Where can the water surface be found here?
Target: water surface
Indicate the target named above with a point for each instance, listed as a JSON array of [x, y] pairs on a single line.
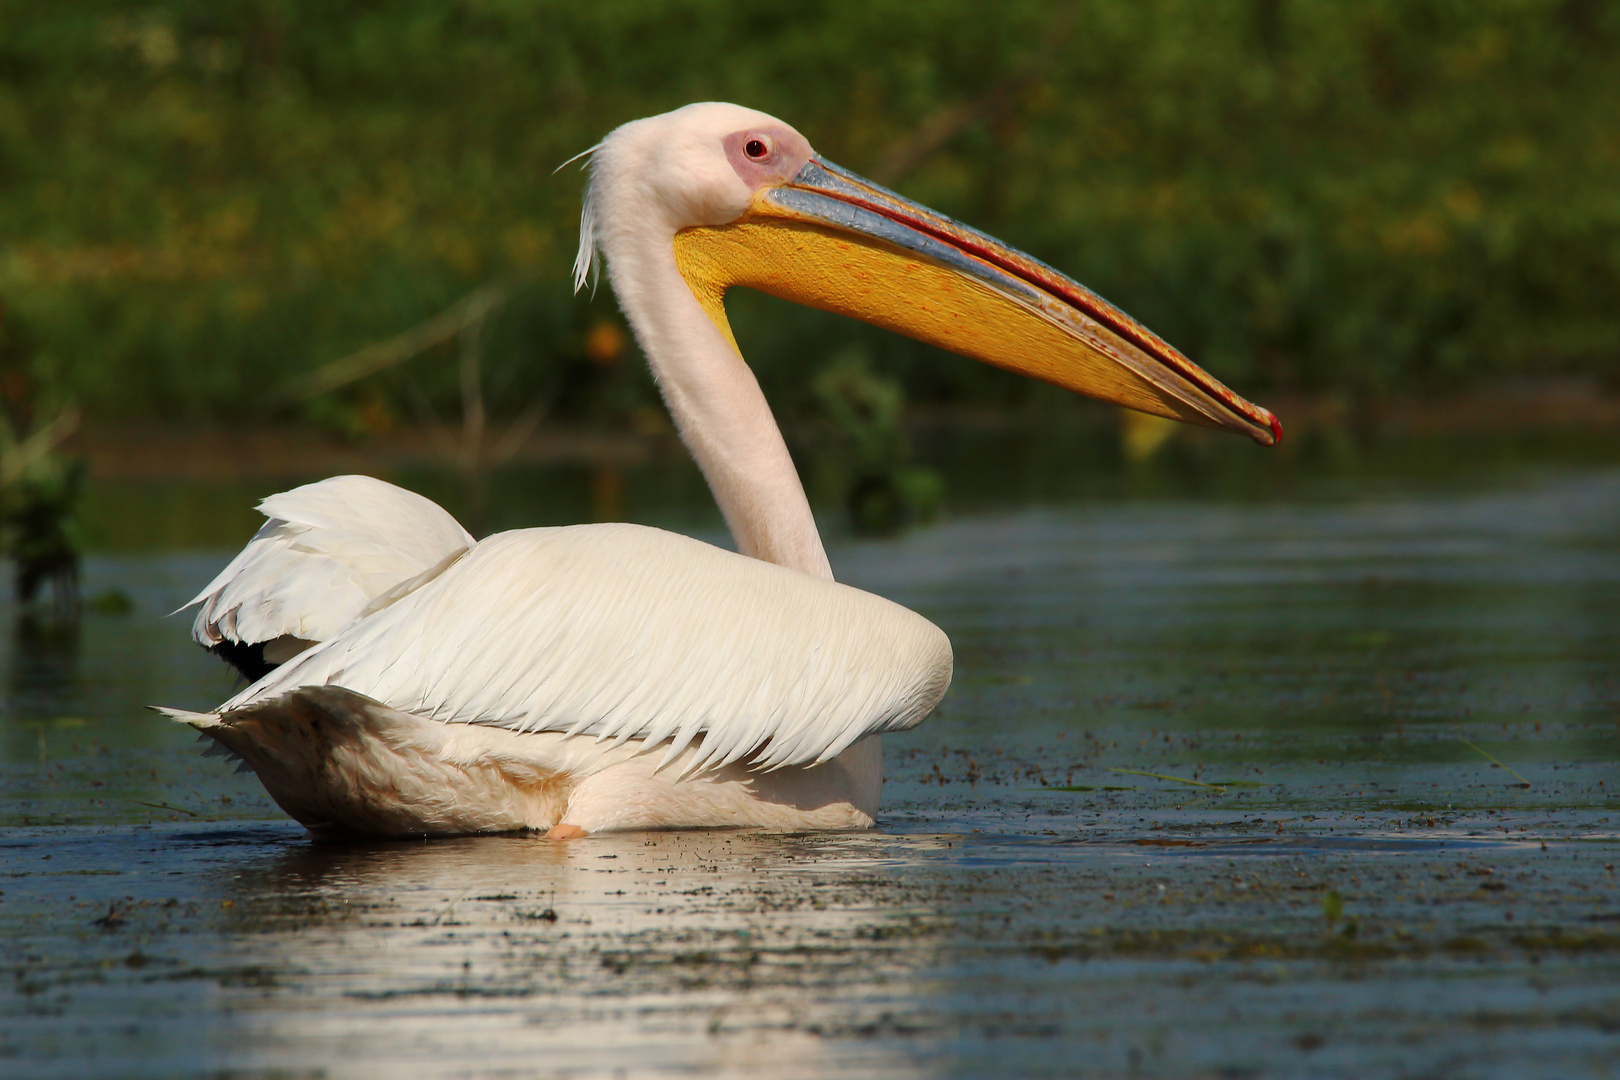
[[1304, 777]]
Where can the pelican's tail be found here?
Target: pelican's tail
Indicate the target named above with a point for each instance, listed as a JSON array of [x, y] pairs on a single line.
[[205, 723], [341, 763], [202, 721]]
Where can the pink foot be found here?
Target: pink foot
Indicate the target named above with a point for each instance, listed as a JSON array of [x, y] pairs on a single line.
[[564, 831]]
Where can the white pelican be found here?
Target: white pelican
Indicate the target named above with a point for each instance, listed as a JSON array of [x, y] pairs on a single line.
[[411, 680]]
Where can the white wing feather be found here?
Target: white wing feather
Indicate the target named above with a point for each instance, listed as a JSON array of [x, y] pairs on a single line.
[[329, 551], [622, 631]]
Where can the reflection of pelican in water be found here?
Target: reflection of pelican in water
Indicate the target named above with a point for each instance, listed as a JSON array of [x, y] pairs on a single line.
[[613, 676], [711, 953]]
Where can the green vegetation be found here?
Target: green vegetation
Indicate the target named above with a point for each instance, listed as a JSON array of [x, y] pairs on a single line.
[[863, 446], [39, 490], [200, 200]]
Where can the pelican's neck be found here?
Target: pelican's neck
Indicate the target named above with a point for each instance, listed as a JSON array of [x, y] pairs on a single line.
[[718, 408]]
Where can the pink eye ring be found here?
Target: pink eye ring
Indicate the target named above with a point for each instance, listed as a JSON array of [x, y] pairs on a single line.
[[757, 149]]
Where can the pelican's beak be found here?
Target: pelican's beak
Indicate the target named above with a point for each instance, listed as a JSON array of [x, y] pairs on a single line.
[[829, 239]]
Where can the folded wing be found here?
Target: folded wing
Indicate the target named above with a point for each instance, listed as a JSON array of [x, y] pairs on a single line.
[[626, 632], [330, 551]]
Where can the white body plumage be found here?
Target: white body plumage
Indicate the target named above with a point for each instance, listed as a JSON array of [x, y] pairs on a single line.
[[520, 682]]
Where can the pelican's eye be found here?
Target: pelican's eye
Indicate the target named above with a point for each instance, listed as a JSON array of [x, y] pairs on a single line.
[[757, 149]]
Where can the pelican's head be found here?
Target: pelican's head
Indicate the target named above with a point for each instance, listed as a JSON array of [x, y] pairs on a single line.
[[744, 200]]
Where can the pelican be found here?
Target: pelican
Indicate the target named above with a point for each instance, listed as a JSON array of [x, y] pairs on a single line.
[[410, 680]]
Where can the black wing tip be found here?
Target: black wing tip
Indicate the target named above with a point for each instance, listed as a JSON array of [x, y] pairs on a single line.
[[246, 657]]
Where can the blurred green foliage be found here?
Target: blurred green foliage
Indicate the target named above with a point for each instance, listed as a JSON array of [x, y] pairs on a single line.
[[863, 450], [39, 495], [200, 199]]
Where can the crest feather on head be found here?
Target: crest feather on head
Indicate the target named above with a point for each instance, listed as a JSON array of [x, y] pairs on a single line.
[[586, 267]]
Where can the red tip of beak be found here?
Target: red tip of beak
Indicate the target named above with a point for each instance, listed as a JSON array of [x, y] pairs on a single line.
[[1276, 430]]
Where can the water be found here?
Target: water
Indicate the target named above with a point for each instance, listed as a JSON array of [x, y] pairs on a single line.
[[1395, 683]]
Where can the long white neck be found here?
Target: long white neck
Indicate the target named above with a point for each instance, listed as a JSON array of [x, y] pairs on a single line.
[[726, 423], [718, 408], [716, 401]]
